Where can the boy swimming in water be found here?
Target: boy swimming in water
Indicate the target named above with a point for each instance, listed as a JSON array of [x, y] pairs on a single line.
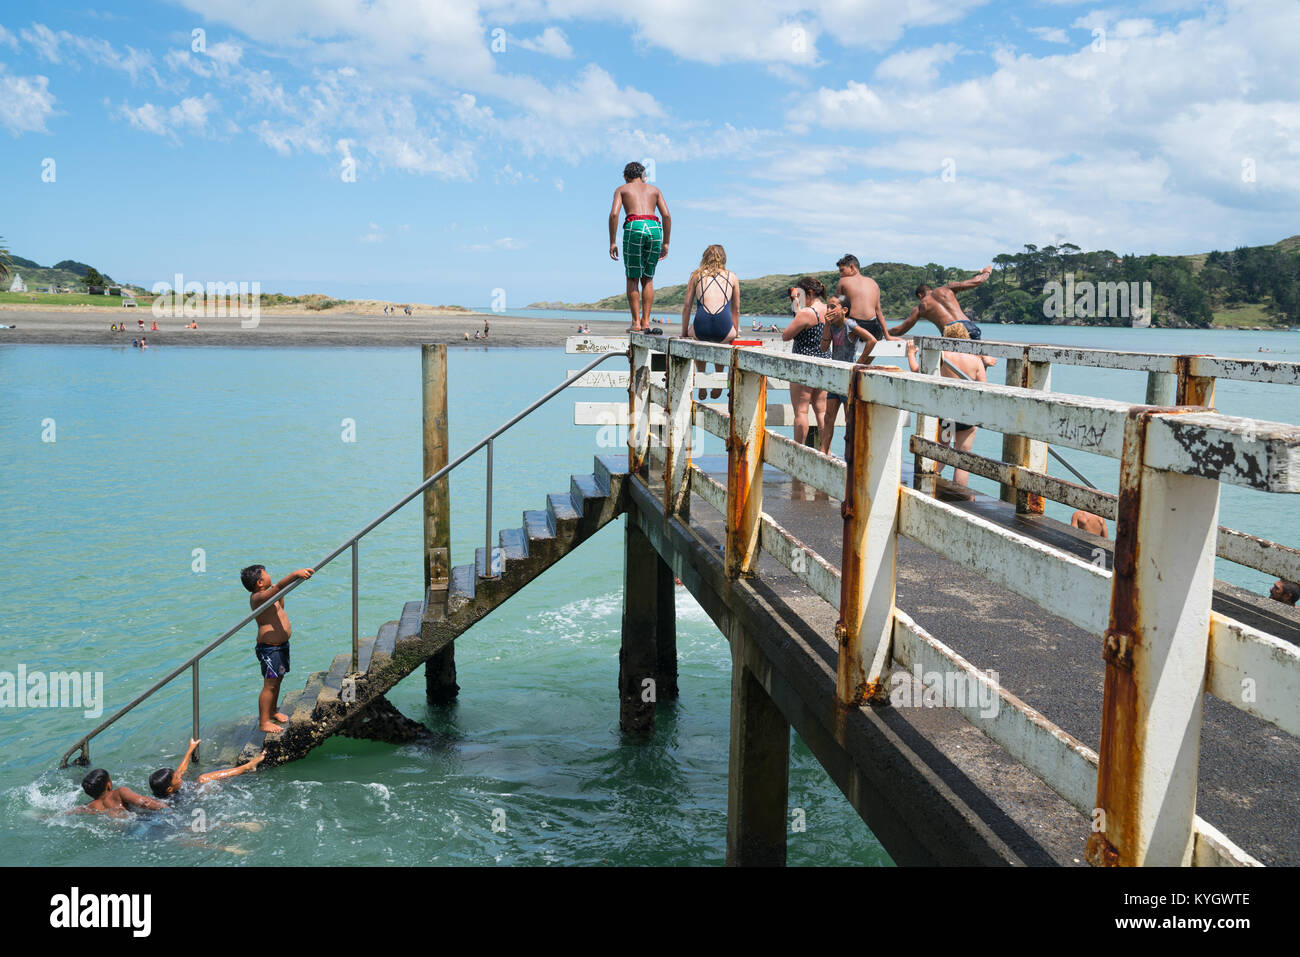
[[645, 240], [106, 799], [272, 648], [165, 782]]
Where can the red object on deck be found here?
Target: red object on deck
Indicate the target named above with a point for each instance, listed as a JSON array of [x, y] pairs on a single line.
[[746, 342]]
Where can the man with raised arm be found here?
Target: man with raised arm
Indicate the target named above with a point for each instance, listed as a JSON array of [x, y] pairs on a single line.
[[940, 305], [645, 240]]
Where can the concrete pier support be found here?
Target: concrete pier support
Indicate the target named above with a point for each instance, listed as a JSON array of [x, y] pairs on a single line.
[[439, 671], [759, 775], [642, 676]]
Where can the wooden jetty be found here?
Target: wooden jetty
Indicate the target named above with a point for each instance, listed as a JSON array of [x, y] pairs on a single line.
[[984, 685]]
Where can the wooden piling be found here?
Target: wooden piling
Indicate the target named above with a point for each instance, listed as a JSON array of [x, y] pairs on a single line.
[[1017, 449], [638, 656], [440, 670], [758, 782]]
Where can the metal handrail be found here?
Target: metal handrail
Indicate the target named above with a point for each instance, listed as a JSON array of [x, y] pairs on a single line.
[[83, 744]]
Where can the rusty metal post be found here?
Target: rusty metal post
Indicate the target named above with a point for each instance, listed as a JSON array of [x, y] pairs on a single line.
[[680, 424], [925, 470], [638, 658], [748, 406], [868, 565], [1155, 651], [638, 411], [1193, 389], [1017, 449], [440, 670], [758, 778]]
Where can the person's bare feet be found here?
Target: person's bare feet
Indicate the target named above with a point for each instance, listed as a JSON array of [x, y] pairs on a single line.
[[270, 727], [281, 717]]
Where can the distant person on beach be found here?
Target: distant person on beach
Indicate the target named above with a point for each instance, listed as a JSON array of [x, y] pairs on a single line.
[[165, 782], [1093, 524], [805, 330], [273, 631], [717, 318], [645, 240], [1284, 591], [154, 327], [863, 297], [485, 327], [408, 310], [838, 339], [106, 799], [959, 435], [940, 306]]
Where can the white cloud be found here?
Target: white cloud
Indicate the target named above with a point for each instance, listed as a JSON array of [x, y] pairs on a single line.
[[1050, 34], [375, 235], [189, 115], [919, 67], [505, 242], [8, 39], [25, 103], [71, 50], [551, 42]]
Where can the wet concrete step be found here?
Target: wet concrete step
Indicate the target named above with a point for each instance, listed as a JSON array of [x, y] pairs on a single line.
[[329, 692], [481, 562], [563, 515], [221, 749], [409, 625], [364, 651], [514, 542], [537, 527], [608, 466], [585, 493], [461, 591], [385, 642]]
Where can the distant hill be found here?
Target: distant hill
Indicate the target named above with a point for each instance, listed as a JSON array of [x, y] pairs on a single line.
[[1257, 285], [67, 272]]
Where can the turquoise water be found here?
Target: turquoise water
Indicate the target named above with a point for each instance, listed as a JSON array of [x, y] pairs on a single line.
[[240, 453]]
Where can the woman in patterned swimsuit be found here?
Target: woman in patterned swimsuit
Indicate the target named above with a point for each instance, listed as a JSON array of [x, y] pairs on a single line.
[[806, 331]]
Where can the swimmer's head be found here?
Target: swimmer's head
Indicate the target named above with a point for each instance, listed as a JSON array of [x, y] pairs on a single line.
[[160, 782], [1285, 591], [922, 290], [96, 783], [252, 576], [956, 331], [633, 171], [848, 264]]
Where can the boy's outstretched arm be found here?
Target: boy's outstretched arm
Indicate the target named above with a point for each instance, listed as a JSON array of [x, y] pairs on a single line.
[[972, 282], [906, 324], [185, 761], [232, 772], [133, 800], [262, 597], [613, 222]]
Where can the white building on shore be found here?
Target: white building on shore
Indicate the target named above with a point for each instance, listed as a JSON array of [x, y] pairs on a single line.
[[18, 285]]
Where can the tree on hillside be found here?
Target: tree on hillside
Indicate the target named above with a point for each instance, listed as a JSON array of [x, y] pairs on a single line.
[[93, 278], [4, 260], [1004, 261]]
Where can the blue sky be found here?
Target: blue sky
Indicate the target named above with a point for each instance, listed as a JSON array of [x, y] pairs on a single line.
[[487, 138]]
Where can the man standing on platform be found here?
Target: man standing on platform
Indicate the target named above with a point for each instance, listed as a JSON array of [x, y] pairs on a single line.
[[940, 306], [645, 240]]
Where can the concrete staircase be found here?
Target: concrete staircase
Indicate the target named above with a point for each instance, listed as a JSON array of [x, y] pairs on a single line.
[[336, 702]]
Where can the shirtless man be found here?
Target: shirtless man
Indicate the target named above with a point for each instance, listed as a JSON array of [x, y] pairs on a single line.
[[1093, 524], [959, 435], [863, 296], [940, 305], [165, 782], [273, 631], [107, 799], [645, 240]]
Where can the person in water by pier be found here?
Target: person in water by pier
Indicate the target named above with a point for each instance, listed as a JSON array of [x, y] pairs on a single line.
[[717, 318], [960, 435], [106, 799], [940, 306], [273, 631], [1287, 592], [166, 782], [645, 240]]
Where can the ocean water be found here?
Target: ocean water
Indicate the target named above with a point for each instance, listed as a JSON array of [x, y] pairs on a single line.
[[173, 468]]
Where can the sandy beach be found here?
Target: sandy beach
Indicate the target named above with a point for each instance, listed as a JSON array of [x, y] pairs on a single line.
[[297, 328]]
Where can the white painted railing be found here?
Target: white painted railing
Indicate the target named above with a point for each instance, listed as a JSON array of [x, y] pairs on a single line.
[[1152, 612]]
